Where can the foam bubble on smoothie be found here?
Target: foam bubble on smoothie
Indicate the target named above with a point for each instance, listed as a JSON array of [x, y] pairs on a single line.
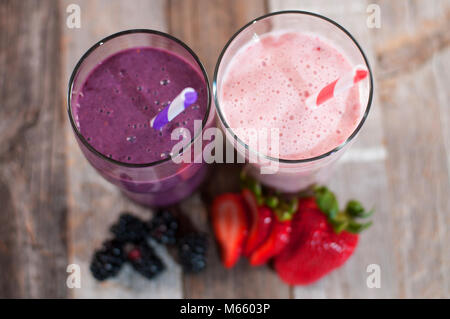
[[267, 82]]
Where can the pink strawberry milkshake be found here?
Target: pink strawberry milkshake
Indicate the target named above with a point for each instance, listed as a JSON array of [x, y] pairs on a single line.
[[276, 74], [265, 86]]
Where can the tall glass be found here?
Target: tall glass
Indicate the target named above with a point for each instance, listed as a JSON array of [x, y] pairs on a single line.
[[291, 175], [158, 183]]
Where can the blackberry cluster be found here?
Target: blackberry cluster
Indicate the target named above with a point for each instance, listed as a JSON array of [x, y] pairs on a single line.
[[192, 250], [163, 228], [145, 261], [130, 244], [108, 260], [129, 228]]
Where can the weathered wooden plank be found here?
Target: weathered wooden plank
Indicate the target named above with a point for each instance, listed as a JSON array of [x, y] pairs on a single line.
[[442, 78], [417, 164], [206, 26], [415, 46], [94, 203], [360, 174], [33, 243]]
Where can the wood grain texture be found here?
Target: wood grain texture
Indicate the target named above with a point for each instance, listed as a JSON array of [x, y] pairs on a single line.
[[417, 166], [441, 73], [207, 25], [33, 243], [94, 204], [211, 24]]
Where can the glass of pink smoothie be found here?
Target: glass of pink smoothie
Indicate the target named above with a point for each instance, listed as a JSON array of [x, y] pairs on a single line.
[[116, 89], [262, 79]]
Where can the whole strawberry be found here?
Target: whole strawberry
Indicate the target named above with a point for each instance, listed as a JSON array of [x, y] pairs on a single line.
[[322, 238]]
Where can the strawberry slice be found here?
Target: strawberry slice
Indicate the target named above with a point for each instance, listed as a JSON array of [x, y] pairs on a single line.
[[278, 239], [261, 220], [229, 221]]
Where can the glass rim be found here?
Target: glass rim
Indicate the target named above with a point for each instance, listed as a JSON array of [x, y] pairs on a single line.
[[282, 160], [100, 43]]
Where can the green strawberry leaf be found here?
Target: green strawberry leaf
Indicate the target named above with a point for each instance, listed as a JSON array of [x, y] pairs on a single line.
[[285, 210], [356, 228], [272, 201], [367, 214], [283, 206], [283, 215], [255, 187], [355, 209], [293, 205], [327, 202], [340, 226]]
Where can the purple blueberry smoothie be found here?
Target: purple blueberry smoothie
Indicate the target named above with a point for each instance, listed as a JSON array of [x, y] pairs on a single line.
[[122, 95], [113, 98]]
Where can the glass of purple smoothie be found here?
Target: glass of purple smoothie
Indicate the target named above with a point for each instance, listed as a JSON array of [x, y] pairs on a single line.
[[115, 90]]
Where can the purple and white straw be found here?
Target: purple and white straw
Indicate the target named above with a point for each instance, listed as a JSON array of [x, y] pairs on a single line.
[[182, 101]]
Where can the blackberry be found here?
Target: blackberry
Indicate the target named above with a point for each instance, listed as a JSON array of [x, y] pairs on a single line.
[[163, 227], [145, 261], [129, 228], [192, 250], [108, 260]]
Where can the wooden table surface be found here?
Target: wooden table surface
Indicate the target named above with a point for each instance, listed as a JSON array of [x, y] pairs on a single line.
[[55, 209]]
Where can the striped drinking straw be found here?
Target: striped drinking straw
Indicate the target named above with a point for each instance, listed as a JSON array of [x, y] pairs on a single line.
[[182, 101], [338, 86]]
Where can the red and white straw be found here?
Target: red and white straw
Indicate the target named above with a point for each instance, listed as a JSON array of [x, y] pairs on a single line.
[[338, 86]]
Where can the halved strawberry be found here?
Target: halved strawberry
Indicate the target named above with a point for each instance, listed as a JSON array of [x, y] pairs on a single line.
[[261, 220], [278, 239], [229, 222]]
